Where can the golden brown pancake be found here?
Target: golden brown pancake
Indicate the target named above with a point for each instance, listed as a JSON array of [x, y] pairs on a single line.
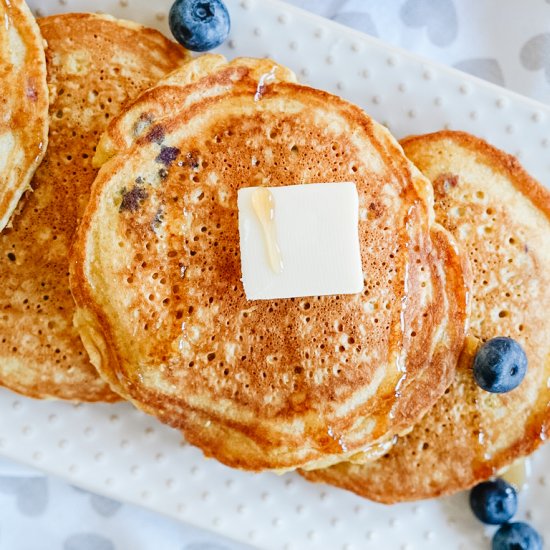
[[165, 99], [501, 216], [23, 103], [155, 271], [95, 65]]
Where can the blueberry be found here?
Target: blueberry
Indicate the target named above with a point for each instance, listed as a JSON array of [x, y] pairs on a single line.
[[199, 25], [500, 365], [517, 536], [493, 502]]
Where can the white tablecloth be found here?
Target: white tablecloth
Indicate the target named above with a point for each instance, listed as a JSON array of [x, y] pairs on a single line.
[[504, 41]]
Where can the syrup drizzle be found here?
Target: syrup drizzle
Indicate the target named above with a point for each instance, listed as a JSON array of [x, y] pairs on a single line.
[[518, 473], [264, 207], [264, 80]]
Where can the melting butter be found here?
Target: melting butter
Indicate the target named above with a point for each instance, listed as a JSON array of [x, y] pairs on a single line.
[[264, 207], [317, 232]]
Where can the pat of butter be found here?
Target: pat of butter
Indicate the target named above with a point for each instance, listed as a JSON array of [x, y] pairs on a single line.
[[314, 227]]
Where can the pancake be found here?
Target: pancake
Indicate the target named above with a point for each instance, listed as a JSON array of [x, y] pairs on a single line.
[[174, 93], [24, 103], [95, 64], [155, 272], [501, 216]]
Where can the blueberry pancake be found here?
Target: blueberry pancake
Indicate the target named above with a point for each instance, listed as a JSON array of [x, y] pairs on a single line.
[[501, 216], [177, 91], [156, 274], [23, 105], [95, 65]]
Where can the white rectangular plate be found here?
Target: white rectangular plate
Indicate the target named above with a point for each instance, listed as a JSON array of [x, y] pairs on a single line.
[[120, 452]]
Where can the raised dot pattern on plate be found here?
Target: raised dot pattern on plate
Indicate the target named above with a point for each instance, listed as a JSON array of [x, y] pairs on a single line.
[[114, 451]]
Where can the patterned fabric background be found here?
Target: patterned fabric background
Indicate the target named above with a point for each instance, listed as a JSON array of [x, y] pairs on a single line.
[[41, 513], [504, 41]]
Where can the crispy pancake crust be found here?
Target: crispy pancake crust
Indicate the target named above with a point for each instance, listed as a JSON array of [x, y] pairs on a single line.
[[259, 384], [95, 64], [23, 105], [501, 216]]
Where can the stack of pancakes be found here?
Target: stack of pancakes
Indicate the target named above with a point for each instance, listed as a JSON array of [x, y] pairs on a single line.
[[91, 67], [131, 231]]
